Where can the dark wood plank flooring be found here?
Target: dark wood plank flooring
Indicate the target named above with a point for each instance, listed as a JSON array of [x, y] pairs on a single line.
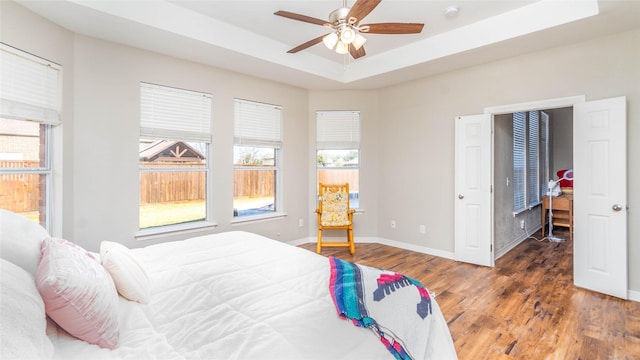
[[526, 307]]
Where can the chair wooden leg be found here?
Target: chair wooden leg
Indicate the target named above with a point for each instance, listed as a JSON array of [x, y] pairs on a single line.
[[319, 246], [352, 246]]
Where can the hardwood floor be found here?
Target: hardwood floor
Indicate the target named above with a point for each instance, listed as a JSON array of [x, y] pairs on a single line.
[[525, 308]]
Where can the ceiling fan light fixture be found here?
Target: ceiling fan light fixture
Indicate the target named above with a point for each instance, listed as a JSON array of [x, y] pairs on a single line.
[[330, 40], [342, 48], [347, 34], [359, 41]]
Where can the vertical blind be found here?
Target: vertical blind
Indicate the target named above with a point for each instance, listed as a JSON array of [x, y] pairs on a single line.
[[338, 130], [257, 124], [30, 87], [519, 160], [171, 113], [527, 157], [533, 160]]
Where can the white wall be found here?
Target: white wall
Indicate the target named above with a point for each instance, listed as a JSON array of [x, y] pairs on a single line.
[[107, 80], [562, 139]]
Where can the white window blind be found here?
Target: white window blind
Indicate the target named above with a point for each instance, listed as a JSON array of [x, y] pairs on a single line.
[[30, 87], [257, 124], [171, 113], [533, 160], [519, 160], [338, 130]]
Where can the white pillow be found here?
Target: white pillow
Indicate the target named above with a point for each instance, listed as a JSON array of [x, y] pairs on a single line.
[[126, 271], [24, 323], [78, 293], [20, 240]]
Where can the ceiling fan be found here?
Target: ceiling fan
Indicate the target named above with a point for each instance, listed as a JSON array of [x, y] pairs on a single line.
[[346, 37]]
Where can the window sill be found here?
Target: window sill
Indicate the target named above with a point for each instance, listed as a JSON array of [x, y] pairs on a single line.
[[257, 218], [160, 231], [531, 207]]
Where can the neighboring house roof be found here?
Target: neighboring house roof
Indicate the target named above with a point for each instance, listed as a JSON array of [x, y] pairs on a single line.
[[165, 150]]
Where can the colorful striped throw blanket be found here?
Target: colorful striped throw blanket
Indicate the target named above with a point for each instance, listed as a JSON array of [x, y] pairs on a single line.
[[394, 306]]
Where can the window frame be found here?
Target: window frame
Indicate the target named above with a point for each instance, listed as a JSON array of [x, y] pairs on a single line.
[[528, 149], [45, 170], [259, 125], [342, 132], [38, 99], [196, 131]]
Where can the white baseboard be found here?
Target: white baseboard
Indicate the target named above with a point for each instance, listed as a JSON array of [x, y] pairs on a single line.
[[416, 248], [634, 295], [301, 241], [376, 240]]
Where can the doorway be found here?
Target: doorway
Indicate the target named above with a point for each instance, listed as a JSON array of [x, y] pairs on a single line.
[[554, 152], [600, 198]]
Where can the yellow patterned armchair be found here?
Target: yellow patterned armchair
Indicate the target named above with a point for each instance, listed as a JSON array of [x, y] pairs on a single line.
[[334, 213]]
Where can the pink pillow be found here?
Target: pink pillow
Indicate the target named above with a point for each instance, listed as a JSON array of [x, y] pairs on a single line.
[[78, 293]]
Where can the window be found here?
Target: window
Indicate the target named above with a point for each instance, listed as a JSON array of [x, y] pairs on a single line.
[[545, 162], [338, 150], [256, 159], [30, 103], [533, 159], [175, 134], [529, 158]]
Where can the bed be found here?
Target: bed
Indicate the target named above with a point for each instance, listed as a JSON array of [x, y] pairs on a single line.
[[233, 295]]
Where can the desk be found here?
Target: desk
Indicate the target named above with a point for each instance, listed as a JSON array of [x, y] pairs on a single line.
[[562, 212]]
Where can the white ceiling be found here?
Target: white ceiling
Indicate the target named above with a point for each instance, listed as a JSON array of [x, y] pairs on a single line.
[[246, 37]]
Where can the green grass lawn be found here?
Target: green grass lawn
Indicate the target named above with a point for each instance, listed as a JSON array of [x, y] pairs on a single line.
[[176, 212]]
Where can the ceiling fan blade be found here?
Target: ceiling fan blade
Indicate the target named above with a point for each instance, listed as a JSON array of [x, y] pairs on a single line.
[[362, 8], [304, 18], [393, 28], [356, 53], [306, 45]]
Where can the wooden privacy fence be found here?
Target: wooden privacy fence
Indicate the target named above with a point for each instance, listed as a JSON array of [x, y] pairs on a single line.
[[20, 192], [333, 176], [253, 183], [167, 186]]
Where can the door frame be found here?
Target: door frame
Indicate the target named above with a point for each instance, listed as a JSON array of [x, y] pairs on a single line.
[[508, 109], [544, 104], [536, 105], [571, 101]]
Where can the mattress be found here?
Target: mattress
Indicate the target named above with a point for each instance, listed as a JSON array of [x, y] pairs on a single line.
[[238, 295]]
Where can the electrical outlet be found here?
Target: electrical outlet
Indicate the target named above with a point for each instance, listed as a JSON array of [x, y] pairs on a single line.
[[300, 222], [423, 229], [522, 224], [393, 224]]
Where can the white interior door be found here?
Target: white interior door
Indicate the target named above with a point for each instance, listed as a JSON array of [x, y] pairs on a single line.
[[473, 189], [600, 196]]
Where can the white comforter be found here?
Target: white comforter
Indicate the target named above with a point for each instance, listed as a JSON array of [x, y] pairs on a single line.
[[238, 295]]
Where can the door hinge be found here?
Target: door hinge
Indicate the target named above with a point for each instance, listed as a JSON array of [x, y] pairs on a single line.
[[491, 247]]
